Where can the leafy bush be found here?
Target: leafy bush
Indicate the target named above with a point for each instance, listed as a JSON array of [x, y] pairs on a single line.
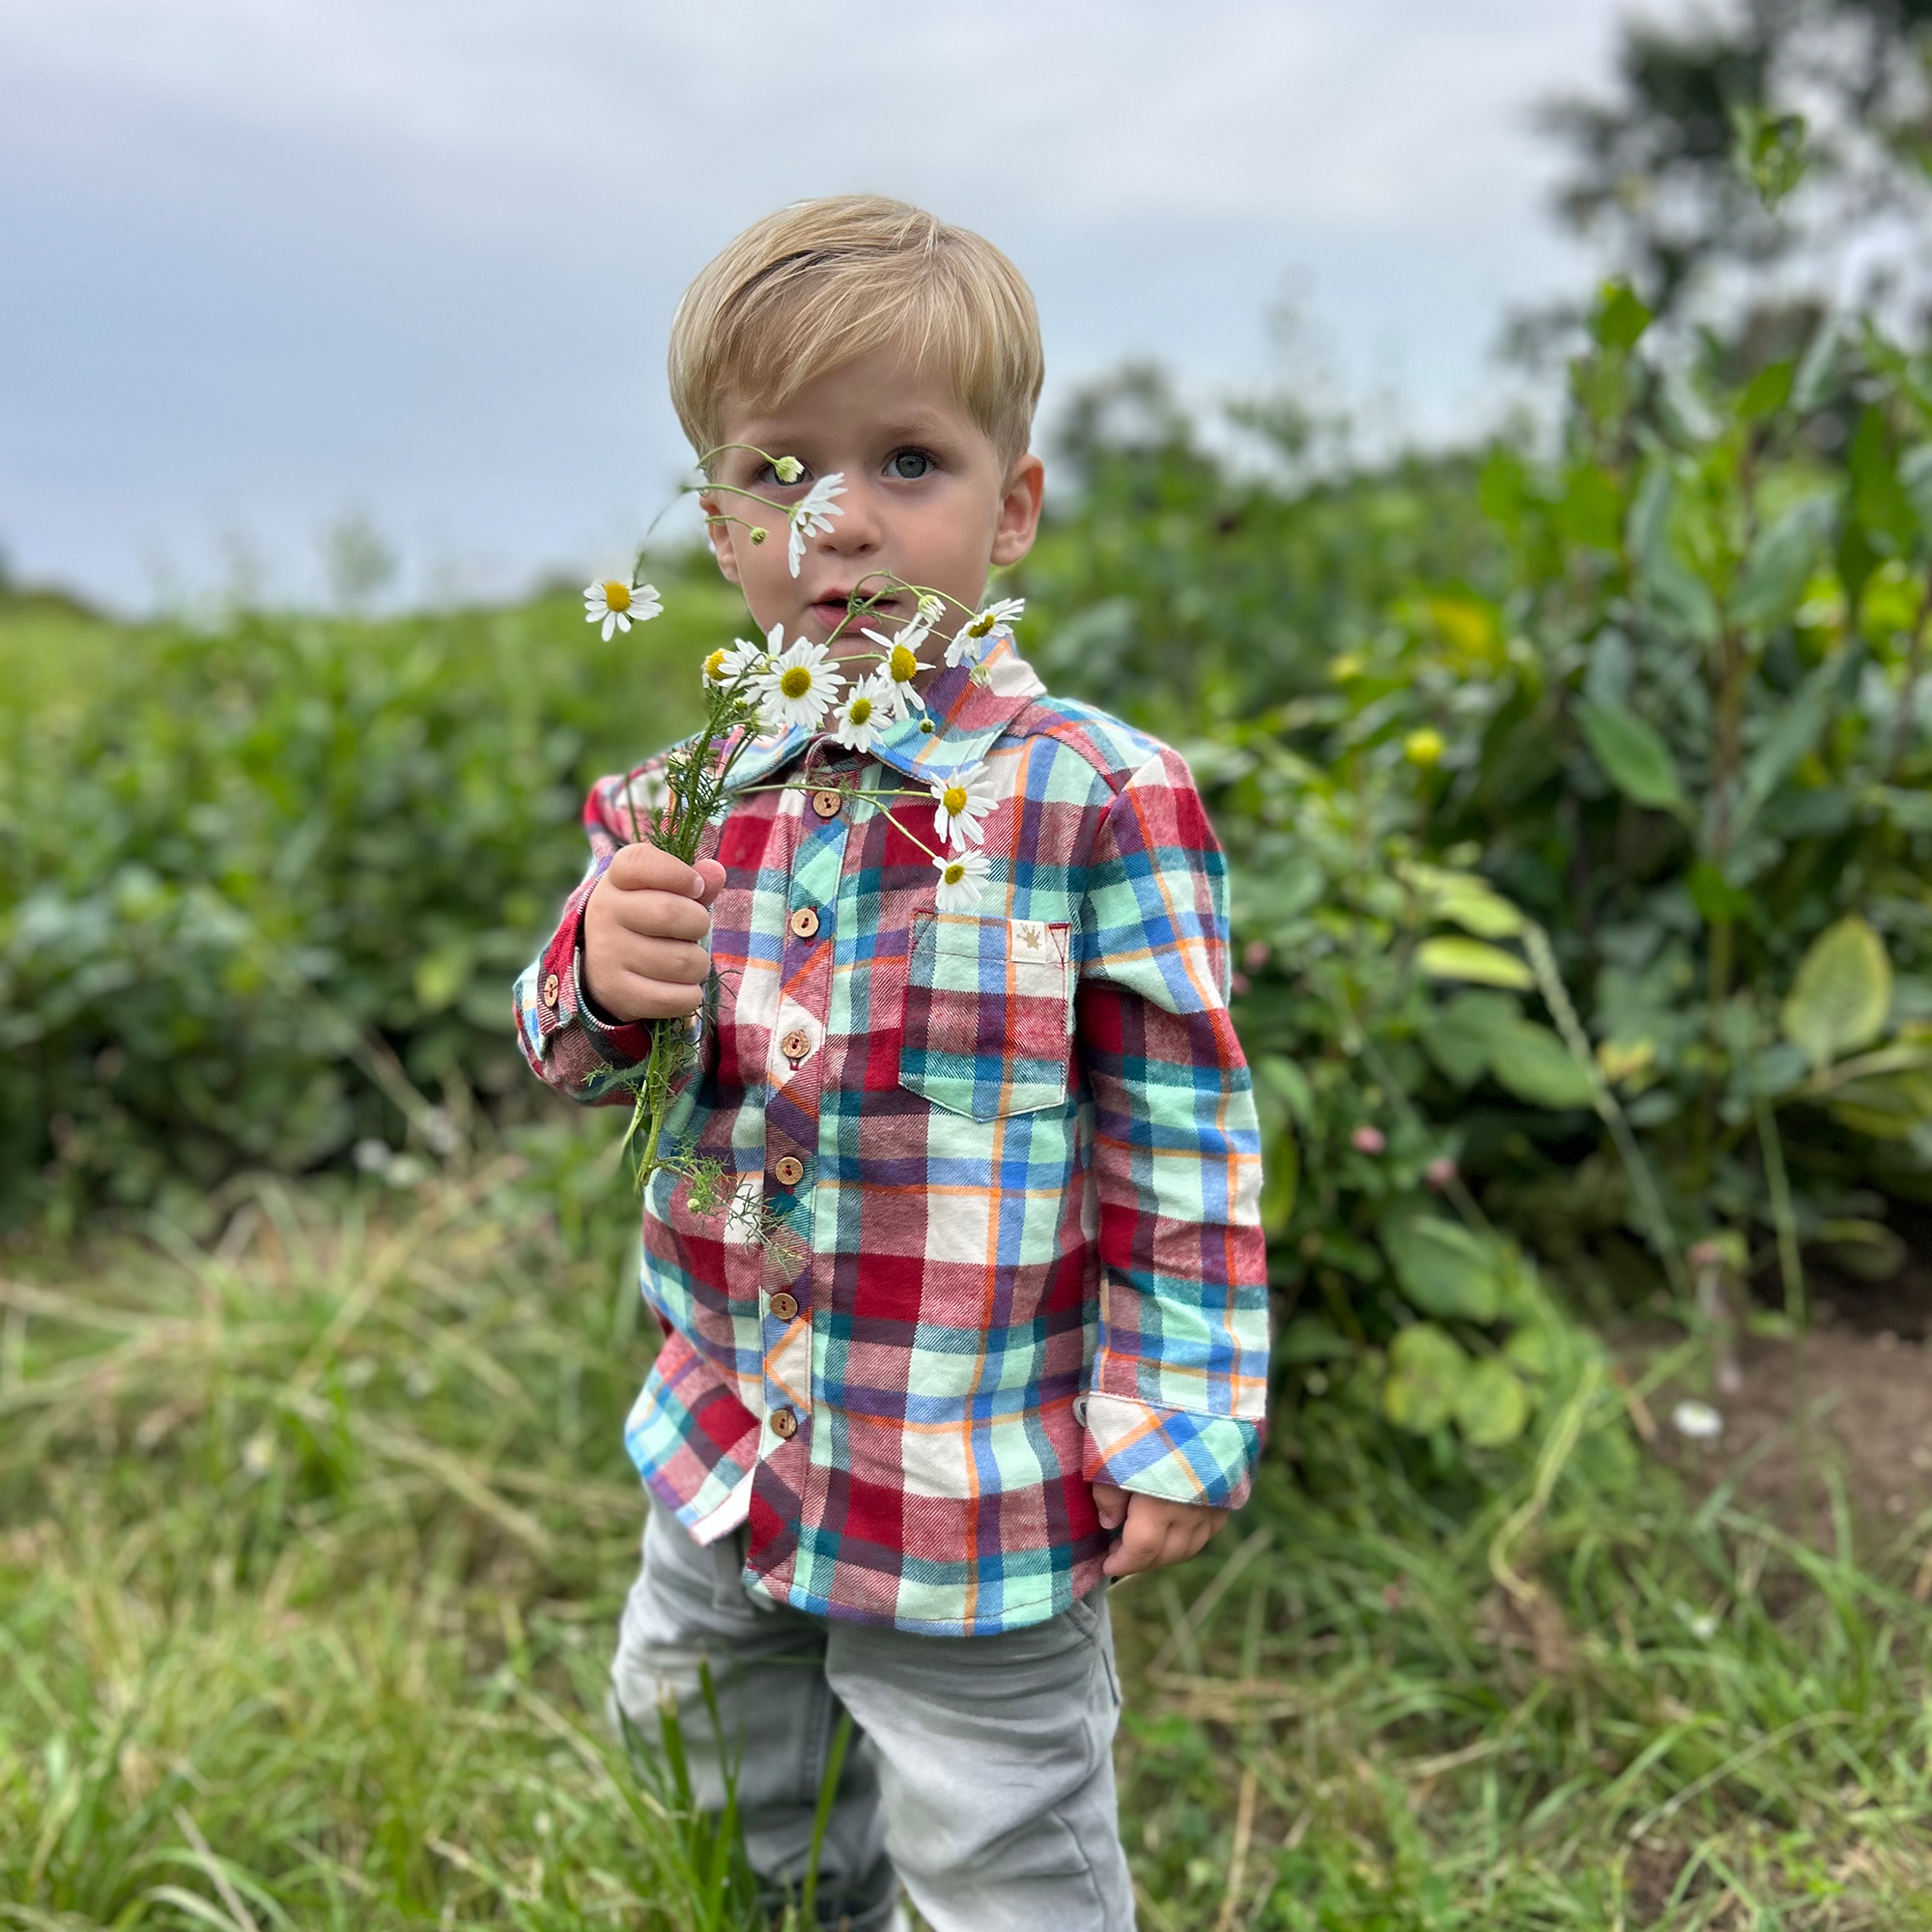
[[258, 886], [1580, 879]]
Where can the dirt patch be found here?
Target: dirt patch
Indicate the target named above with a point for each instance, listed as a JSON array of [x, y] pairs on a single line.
[[1836, 1399]]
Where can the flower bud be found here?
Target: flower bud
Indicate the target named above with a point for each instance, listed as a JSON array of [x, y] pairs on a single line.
[[1439, 1171], [1369, 1140], [1423, 748]]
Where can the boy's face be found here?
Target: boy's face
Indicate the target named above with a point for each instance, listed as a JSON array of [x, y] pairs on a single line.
[[927, 499]]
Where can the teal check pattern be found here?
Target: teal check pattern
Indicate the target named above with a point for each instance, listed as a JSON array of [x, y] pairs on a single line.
[[1013, 1151]]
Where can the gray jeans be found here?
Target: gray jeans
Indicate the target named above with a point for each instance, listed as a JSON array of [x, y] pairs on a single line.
[[981, 1771]]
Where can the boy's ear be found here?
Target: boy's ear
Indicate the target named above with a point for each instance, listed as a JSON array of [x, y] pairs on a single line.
[[1019, 510], [718, 536]]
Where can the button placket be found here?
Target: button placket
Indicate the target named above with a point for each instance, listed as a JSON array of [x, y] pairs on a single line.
[[792, 1113]]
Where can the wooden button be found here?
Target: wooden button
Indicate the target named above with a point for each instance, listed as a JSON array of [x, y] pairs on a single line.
[[796, 1045], [785, 1306], [805, 922], [550, 988], [785, 1423], [789, 1170], [827, 803]]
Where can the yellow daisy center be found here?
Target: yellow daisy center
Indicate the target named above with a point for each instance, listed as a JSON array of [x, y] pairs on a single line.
[[860, 709], [714, 664], [954, 873], [796, 682], [617, 596], [981, 625], [954, 800], [905, 666]]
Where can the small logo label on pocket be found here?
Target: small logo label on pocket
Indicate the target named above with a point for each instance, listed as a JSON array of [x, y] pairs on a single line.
[[1032, 941]]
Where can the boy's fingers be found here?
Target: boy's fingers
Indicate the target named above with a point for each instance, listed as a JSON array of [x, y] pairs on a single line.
[[644, 868], [711, 880], [672, 961], [637, 998], [1111, 1505], [1140, 1544], [660, 914]]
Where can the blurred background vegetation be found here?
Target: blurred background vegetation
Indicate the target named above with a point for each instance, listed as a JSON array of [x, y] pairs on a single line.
[[1578, 792]]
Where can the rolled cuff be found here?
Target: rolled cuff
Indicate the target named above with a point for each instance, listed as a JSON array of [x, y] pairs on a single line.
[[1177, 1454]]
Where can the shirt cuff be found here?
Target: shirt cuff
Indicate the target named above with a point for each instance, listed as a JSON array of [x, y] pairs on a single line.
[[1173, 1453], [621, 1043]]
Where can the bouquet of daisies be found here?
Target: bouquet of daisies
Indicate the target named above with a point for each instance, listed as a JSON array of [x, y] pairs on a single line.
[[769, 687]]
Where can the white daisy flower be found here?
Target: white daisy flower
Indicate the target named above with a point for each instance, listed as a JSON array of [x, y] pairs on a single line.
[[865, 714], [898, 665], [796, 685], [932, 608], [963, 800], [727, 667], [788, 469], [647, 791], [617, 605], [971, 638], [962, 878], [812, 516]]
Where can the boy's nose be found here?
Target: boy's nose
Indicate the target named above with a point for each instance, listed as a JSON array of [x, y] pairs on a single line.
[[859, 530]]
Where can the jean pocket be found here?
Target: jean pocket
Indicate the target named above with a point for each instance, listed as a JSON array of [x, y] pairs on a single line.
[[988, 1020]]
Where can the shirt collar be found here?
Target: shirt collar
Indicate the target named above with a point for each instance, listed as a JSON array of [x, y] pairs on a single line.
[[967, 716]]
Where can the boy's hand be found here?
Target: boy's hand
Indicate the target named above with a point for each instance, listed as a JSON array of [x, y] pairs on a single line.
[[1157, 1532], [644, 934]]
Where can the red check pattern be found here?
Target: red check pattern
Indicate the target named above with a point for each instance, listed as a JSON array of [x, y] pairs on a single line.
[[1022, 1249]]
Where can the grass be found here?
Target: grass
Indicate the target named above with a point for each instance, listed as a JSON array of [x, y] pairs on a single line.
[[312, 1541]]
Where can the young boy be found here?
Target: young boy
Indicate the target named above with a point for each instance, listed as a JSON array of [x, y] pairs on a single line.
[[1012, 1340]]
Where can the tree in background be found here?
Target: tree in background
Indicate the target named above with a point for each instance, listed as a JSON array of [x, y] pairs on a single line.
[[1776, 154]]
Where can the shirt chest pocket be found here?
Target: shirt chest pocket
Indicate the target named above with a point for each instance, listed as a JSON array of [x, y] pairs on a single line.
[[988, 1014]]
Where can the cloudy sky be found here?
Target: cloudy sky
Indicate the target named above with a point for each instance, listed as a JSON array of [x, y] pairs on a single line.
[[267, 263]]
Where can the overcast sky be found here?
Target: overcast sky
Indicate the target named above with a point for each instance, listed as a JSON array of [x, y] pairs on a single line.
[[268, 262]]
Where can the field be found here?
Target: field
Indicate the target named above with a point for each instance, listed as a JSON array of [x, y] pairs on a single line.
[[1579, 805], [315, 1533]]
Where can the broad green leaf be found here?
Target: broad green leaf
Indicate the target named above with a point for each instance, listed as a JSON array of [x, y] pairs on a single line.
[[1717, 899], [1464, 899], [1445, 1268], [1633, 756], [1312, 1338], [1592, 510], [1888, 1106], [1280, 1083], [1462, 1035], [1914, 472], [1621, 318], [1780, 751], [1491, 1405], [1841, 995], [1818, 369], [1884, 512], [1278, 1188], [1780, 564], [1426, 1372], [1452, 958], [1672, 590], [1767, 392], [1531, 1062], [1533, 1351]]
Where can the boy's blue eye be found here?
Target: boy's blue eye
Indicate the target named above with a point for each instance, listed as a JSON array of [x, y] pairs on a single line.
[[910, 464]]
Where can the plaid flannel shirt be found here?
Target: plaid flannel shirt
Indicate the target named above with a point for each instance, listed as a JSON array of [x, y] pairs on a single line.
[[1013, 1152]]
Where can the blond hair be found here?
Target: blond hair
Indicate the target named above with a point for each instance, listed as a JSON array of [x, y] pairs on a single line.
[[822, 282]]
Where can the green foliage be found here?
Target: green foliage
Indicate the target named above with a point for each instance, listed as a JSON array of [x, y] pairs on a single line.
[[1661, 711], [250, 877], [313, 1539]]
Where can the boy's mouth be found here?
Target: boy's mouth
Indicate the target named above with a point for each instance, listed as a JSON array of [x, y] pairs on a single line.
[[834, 606]]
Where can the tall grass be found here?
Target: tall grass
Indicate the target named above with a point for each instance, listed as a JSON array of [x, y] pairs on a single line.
[[313, 1537]]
